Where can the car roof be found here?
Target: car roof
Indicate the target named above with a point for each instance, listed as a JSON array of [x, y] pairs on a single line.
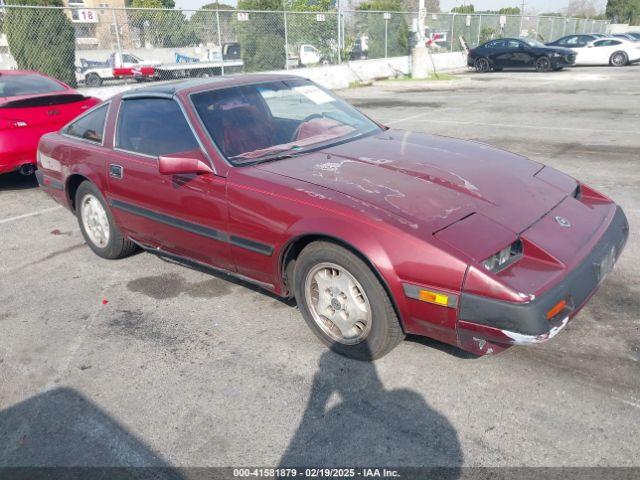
[[170, 89]]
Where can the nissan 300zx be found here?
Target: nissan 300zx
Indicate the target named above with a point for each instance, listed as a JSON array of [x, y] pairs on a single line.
[[375, 232]]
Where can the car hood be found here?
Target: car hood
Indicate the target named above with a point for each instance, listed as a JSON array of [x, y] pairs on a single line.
[[428, 180]]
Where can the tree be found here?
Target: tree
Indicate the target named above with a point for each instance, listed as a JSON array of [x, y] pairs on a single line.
[[204, 23], [463, 9], [582, 9], [42, 39], [306, 29], [160, 27], [509, 11], [262, 37], [165, 3], [373, 25], [624, 11]]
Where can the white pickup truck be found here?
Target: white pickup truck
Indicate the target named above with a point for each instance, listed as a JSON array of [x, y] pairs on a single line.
[[124, 65], [306, 55]]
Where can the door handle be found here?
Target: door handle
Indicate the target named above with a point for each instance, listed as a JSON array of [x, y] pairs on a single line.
[[116, 171]]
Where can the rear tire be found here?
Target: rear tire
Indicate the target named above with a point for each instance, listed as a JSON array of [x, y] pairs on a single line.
[[619, 59], [482, 65], [337, 292], [98, 226]]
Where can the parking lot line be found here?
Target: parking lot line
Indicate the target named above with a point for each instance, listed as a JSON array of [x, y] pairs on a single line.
[[27, 215]]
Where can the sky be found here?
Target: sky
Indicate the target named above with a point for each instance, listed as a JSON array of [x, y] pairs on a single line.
[[445, 5]]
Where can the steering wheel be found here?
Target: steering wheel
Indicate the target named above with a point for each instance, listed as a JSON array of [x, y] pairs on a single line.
[[307, 119]]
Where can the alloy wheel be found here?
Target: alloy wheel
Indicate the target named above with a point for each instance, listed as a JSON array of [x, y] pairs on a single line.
[[95, 221], [543, 64], [338, 303], [482, 65], [619, 59]]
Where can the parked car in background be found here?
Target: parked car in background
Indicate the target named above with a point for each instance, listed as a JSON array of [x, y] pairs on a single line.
[[635, 35], [575, 41], [122, 65], [305, 55], [625, 36], [32, 104], [514, 53], [375, 232], [617, 52]]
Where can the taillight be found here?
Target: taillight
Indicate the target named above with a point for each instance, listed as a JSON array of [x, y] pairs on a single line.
[[7, 124]]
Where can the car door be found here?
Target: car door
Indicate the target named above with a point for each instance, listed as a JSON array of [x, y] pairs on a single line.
[[601, 51], [499, 54], [183, 214], [521, 54]]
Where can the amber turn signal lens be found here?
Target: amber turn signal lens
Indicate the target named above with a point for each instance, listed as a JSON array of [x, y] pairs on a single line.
[[433, 297], [556, 309]]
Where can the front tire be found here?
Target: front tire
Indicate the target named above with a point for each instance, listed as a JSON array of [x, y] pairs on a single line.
[[482, 65], [543, 64], [98, 226], [344, 303], [619, 59]]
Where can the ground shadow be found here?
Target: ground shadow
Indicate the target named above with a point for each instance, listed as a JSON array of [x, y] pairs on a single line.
[[62, 428], [183, 262], [16, 181], [443, 347], [352, 420]]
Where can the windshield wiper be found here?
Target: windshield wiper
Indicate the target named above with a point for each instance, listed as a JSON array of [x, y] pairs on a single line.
[[271, 158]]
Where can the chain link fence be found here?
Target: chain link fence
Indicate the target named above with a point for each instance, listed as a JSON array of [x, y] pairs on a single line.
[[93, 45]]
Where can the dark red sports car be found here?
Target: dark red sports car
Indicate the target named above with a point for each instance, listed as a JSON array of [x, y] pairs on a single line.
[[375, 232], [32, 104]]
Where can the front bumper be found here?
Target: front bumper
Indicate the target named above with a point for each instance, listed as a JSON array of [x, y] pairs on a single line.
[[563, 60], [516, 324]]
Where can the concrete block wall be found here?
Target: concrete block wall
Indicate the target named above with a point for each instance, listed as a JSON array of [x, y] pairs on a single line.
[[335, 77]]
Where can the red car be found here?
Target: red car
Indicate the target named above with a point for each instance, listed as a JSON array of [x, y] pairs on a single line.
[[32, 104], [377, 233]]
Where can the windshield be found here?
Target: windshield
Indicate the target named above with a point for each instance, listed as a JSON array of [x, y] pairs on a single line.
[[252, 123], [533, 43], [29, 84]]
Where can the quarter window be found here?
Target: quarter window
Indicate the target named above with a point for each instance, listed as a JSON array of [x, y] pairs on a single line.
[[153, 126], [607, 43], [90, 127]]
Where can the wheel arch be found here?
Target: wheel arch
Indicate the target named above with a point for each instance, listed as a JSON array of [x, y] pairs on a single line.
[[291, 251], [73, 182]]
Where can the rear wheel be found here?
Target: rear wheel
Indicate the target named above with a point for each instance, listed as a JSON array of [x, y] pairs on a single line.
[[619, 59], [344, 303], [482, 65], [97, 225], [543, 64]]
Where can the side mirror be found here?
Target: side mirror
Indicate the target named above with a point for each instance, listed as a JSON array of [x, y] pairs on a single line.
[[192, 161]]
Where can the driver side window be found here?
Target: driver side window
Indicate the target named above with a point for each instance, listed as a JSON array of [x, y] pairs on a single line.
[[153, 127]]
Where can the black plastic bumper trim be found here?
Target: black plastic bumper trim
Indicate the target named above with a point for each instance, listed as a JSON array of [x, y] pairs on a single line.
[[577, 285]]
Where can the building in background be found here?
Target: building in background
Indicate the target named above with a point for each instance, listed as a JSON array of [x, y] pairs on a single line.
[[97, 25]]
